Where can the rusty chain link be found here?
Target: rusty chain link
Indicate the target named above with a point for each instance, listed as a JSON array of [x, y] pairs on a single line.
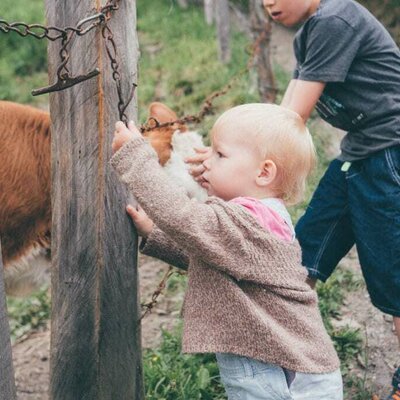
[[111, 49], [53, 33], [161, 286]]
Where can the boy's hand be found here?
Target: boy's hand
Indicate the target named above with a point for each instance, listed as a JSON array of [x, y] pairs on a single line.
[[122, 134], [144, 225], [197, 171]]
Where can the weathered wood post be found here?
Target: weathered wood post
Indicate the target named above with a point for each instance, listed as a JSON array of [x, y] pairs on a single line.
[[209, 11], [95, 338], [223, 30], [7, 383], [261, 31], [183, 3]]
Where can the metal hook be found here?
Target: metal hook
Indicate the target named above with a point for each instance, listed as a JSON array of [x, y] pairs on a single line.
[[65, 83]]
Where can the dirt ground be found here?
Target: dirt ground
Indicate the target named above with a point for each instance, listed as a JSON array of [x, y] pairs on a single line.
[[31, 356]]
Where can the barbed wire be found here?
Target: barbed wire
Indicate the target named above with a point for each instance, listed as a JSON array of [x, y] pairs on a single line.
[[206, 108], [160, 288]]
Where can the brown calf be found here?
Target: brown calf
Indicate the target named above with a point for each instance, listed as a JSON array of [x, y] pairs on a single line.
[[25, 204]]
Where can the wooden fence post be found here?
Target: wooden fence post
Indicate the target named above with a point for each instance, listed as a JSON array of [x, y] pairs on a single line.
[[223, 30], [95, 335], [261, 31], [209, 11], [183, 3], [7, 382]]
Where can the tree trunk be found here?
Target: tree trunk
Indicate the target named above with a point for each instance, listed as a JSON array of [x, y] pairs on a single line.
[[95, 334], [261, 31], [223, 30], [7, 383], [183, 3], [209, 11]]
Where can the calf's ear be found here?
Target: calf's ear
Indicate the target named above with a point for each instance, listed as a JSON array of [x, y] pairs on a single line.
[[162, 113]]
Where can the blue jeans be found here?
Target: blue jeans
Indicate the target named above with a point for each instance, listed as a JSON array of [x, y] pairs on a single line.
[[360, 206], [248, 379]]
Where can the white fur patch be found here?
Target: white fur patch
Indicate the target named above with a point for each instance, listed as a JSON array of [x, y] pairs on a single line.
[[28, 273], [178, 170]]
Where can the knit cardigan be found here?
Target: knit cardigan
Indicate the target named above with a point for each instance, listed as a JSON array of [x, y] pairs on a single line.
[[247, 292]]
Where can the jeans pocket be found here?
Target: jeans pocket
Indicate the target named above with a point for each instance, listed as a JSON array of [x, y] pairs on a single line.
[[392, 155]]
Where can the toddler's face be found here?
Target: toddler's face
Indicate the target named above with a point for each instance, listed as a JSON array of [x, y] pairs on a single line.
[[290, 12], [232, 168]]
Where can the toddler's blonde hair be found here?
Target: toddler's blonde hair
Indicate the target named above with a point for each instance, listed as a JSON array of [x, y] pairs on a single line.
[[279, 135]]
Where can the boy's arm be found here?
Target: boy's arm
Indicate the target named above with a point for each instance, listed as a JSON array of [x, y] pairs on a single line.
[[302, 96]]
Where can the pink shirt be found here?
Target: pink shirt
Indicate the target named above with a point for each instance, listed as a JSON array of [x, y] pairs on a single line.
[[267, 217]]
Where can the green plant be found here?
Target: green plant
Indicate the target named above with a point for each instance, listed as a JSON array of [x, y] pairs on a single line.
[[28, 313], [171, 375]]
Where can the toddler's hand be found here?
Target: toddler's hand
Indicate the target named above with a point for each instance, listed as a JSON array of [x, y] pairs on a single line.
[[197, 171], [143, 223], [122, 134]]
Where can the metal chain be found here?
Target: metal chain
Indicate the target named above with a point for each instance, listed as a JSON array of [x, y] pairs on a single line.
[[161, 286], [53, 33], [111, 49]]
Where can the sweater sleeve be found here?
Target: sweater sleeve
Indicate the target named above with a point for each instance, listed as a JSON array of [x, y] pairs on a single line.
[[202, 230], [160, 246]]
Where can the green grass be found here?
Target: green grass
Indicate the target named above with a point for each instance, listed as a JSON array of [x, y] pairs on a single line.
[[170, 375], [179, 66], [28, 314]]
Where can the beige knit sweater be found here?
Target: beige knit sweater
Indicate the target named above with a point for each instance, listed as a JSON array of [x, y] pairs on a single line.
[[247, 292]]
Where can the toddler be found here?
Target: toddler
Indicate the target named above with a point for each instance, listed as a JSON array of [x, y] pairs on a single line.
[[247, 298]]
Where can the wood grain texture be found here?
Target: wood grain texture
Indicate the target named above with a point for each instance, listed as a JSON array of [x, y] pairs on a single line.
[[7, 382], [95, 339]]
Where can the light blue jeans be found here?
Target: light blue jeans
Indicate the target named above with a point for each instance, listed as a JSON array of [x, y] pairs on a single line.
[[248, 379]]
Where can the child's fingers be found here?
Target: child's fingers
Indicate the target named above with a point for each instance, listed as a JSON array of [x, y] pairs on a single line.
[[201, 149], [133, 213], [119, 125], [202, 154], [197, 171]]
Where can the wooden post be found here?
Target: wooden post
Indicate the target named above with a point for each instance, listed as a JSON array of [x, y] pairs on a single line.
[[183, 3], [95, 336], [223, 30], [261, 31], [209, 11], [7, 382]]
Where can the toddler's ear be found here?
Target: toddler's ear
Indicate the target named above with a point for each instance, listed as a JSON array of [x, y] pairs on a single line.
[[266, 173]]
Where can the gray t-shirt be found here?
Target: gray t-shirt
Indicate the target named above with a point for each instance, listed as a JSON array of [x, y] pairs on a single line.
[[344, 45]]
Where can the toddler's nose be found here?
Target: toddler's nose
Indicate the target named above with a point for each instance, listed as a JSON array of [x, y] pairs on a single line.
[[206, 163]]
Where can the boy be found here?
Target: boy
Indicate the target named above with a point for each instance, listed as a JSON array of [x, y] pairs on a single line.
[[348, 67]]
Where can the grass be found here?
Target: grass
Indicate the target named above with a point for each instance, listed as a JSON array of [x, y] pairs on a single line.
[[179, 66], [28, 314]]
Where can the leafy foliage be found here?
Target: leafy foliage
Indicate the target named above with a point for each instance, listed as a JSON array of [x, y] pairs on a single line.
[[28, 314], [171, 375]]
